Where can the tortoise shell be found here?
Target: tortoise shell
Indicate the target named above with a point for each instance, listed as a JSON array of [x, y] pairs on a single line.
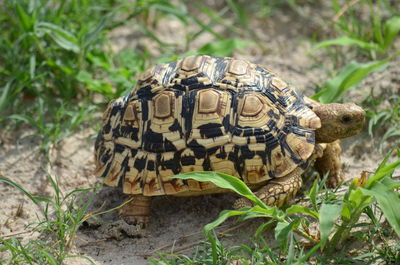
[[204, 113]]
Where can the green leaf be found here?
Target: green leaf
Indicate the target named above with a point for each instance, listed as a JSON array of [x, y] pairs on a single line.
[[377, 29], [5, 95], [349, 77], [388, 201], [90, 37], [94, 85], [347, 41], [313, 193], [382, 171], [327, 216], [25, 21], [224, 181], [62, 37], [223, 216], [392, 29], [84, 77], [283, 230], [301, 209], [34, 199]]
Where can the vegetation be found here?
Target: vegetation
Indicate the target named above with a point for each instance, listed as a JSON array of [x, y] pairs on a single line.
[[59, 65]]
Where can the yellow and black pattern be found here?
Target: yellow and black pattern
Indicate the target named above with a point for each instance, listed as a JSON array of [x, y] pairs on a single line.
[[204, 113]]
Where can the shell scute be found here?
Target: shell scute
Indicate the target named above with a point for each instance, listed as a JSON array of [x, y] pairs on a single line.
[[204, 113]]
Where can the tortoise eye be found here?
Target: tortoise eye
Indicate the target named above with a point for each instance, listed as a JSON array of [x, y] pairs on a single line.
[[346, 119]]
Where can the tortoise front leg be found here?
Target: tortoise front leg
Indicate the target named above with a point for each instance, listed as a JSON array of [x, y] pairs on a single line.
[[330, 162], [136, 212], [276, 191]]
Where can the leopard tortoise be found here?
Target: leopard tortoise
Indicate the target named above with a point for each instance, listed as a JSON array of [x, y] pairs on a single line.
[[205, 113]]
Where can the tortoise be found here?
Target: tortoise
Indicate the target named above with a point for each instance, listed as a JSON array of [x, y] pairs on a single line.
[[206, 113]]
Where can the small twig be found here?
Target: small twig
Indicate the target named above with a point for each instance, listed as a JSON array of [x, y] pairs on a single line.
[[222, 233], [181, 248], [89, 243], [18, 233], [344, 10]]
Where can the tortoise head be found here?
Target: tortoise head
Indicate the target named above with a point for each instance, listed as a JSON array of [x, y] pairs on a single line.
[[338, 121]]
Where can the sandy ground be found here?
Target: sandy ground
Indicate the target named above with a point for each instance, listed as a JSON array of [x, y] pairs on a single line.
[[175, 222]]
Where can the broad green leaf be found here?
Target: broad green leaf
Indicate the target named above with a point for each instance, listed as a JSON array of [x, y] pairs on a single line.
[[257, 213], [392, 29], [388, 201], [223, 181], [209, 228], [328, 214], [357, 200], [84, 77], [225, 215], [349, 77], [283, 230], [377, 29], [382, 172], [301, 209], [223, 48], [313, 193], [24, 19], [62, 37], [347, 41], [93, 84], [22, 117]]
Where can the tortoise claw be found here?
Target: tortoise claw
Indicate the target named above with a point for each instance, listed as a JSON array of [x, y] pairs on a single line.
[[136, 211], [141, 221]]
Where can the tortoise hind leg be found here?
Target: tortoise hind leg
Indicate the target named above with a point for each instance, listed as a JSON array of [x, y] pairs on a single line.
[[276, 191], [330, 162], [136, 211]]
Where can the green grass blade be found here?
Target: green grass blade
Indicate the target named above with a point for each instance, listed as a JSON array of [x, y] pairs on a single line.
[[382, 171], [283, 231], [392, 29], [347, 41], [377, 29], [62, 37], [5, 95], [240, 13], [328, 214], [388, 201], [349, 77], [91, 36], [223, 216], [34, 199], [301, 209], [25, 20], [223, 181]]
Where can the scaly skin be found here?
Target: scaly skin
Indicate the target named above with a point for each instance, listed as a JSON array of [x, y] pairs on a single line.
[[330, 162], [338, 121]]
